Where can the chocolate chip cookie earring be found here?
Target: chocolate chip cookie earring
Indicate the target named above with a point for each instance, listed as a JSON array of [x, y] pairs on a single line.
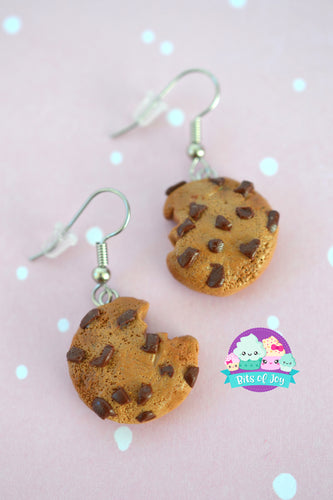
[[226, 232], [119, 370]]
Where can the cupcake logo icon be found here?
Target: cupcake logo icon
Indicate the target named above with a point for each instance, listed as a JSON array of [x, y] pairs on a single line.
[[260, 360]]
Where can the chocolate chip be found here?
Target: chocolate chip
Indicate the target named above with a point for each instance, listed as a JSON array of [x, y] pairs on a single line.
[[217, 180], [188, 257], [145, 393], [186, 226], [121, 396], [102, 408], [216, 277], [152, 343], [245, 188], [223, 223], [244, 212], [173, 188], [76, 355], [215, 245], [89, 317], [166, 370], [104, 358], [197, 210], [250, 249], [191, 375], [273, 220], [127, 317], [145, 416]]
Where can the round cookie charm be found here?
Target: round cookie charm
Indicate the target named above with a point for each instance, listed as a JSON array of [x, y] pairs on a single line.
[[225, 235], [124, 373]]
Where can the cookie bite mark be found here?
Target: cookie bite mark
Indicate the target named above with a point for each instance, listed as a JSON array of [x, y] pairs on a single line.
[[76, 355], [185, 227], [219, 181], [244, 212], [121, 396], [222, 223], [166, 370], [215, 245], [89, 317], [216, 276], [245, 188], [126, 318], [196, 210], [104, 358], [188, 257], [102, 408], [250, 249], [272, 220], [173, 188], [191, 375], [152, 343], [145, 416], [145, 393]]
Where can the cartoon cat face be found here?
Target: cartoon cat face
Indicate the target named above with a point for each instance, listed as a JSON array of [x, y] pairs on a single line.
[[249, 348], [270, 363]]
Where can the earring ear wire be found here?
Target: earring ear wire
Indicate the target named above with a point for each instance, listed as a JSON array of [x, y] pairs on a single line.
[[62, 239], [154, 105]]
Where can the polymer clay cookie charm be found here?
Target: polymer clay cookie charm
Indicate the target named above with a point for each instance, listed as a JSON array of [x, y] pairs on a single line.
[[125, 374], [225, 234]]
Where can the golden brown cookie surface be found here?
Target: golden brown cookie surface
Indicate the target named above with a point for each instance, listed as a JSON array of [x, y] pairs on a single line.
[[225, 235], [124, 373]]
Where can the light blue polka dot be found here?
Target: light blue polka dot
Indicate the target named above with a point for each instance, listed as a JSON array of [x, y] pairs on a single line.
[[330, 256], [123, 437], [237, 4], [116, 157], [299, 85], [22, 273], [269, 166], [176, 117], [273, 322], [285, 486], [148, 36], [21, 372], [94, 235], [12, 25], [166, 48], [63, 325]]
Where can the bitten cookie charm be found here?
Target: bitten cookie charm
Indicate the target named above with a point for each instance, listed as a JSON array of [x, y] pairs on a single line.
[[225, 235], [126, 374], [120, 370]]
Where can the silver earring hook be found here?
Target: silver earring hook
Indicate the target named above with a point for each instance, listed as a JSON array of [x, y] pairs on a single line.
[[154, 105], [101, 274]]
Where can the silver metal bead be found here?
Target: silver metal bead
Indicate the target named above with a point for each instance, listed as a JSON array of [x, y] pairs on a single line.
[[196, 150], [101, 274]]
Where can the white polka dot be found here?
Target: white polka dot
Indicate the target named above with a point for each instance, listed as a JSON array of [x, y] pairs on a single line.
[[285, 486], [94, 235], [22, 273], [237, 4], [116, 157], [299, 85], [123, 437], [269, 166], [21, 372], [330, 256], [273, 322], [176, 117], [148, 36], [63, 325], [12, 25], [166, 48]]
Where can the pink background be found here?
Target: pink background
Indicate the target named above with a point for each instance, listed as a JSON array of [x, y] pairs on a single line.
[[70, 76]]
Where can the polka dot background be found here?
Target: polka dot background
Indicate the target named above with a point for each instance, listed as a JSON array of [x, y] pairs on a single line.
[[73, 73]]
